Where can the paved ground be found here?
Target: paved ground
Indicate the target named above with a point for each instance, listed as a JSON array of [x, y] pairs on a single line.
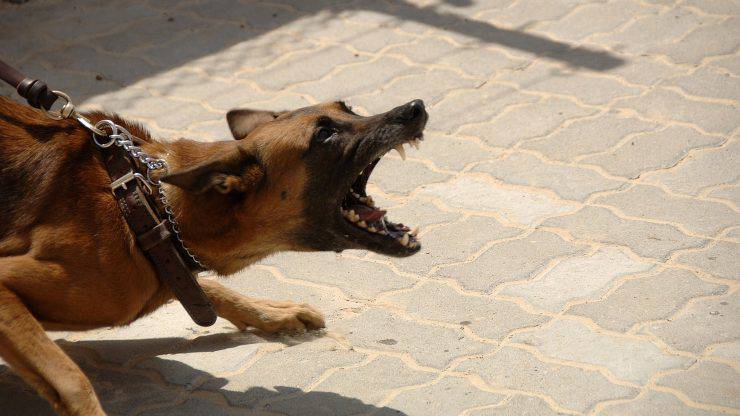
[[578, 192]]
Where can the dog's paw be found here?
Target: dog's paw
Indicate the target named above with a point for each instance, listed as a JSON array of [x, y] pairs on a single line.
[[282, 316]]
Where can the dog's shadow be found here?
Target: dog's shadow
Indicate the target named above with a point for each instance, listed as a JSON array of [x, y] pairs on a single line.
[[171, 387]]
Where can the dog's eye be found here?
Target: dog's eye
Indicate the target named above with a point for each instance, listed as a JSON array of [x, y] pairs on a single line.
[[324, 134]]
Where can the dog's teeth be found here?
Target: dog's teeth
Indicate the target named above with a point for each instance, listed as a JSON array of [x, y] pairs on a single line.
[[383, 232], [414, 143], [362, 224], [404, 240], [400, 151], [414, 232], [356, 195], [372, 229], [369, 201]]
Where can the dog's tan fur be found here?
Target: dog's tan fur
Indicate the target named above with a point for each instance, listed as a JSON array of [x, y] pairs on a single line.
[[68, 260]]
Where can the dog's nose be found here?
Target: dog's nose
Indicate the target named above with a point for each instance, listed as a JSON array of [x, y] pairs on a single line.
[[413, 110]]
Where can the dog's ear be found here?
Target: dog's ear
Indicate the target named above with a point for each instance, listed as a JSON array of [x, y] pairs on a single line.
[[242, 121], [234, 172]]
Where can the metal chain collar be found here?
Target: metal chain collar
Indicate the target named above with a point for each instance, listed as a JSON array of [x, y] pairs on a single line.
[[115, 134], [123, 138]]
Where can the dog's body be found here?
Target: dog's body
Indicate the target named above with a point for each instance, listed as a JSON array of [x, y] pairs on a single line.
[[68, 260]]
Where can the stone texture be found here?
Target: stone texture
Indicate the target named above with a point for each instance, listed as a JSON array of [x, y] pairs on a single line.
[[515, 205], [568, 182], [429, 345], [587, 136], [663, 104], [450, 396], [516, 259], [520, 405], [701, 169], [721, 259], [368, 384], [486, 317], [627, 358], [651, 151], [525, 122], [701, 217], [470, 236], [659, 296], [707, 382], [658, 404], [573, 388], [644, 238], [701, 323], [577, 278]]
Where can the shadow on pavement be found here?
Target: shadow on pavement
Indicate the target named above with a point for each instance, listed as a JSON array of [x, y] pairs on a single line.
[[123, 388], [136, 47]]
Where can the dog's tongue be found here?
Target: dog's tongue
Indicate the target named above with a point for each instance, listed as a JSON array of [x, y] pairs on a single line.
[[368, 214]]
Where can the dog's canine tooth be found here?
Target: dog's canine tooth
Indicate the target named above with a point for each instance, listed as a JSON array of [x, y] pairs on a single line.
[[401, 151], [415, 231], [369, 201], [414, 143], [372, 229], [362, 224], [404, 240]]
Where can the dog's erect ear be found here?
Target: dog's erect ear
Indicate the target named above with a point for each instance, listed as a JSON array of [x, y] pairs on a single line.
[[234, 172], [243, 121]]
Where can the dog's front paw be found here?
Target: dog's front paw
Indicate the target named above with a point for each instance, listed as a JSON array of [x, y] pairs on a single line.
[[279, 316]]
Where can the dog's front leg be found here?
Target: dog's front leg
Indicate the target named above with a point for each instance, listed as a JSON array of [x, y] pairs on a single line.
[[40, 362], [266, 315]]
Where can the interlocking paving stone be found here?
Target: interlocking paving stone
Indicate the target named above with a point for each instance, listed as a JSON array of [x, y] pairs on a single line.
[[282, 372], [573, 388], [513, 89], [666, 105], [588, 88], [627, 358], [526, 122], [644, 238], [707, 40], [518, 206], [703, 168], [702, 323], [577, 278], [520, 405], [721, 260], [332, 270], [455, 242], [706, 82], [429, 345], [659, 296], [512, 260], [367, 385], [568, 182], [707, 382], [486, 317], [657, 150], [475, 106], [588, 136], [592, 18], [656, 403], [449, 396], [701, 217], [731, 194]]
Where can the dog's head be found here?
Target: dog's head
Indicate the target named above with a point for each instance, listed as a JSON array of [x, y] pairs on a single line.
[[296, 179]]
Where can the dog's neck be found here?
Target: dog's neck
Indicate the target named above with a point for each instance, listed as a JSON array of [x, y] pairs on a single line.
[[210, 230]]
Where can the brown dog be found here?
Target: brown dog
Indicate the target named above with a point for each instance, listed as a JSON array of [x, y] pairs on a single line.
[[290, 181]]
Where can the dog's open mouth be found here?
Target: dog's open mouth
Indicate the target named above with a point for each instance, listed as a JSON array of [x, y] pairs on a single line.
[[359, 210]]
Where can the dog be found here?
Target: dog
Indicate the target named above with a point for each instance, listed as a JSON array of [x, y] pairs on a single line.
[[290, 181]]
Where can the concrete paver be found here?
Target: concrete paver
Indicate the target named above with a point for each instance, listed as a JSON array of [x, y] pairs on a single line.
[[577, 192]]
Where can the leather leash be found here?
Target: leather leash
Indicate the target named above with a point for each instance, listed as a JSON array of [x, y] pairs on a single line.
[[159, 238]]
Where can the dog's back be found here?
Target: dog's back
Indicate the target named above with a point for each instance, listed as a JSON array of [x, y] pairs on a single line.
[[33, 151]]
